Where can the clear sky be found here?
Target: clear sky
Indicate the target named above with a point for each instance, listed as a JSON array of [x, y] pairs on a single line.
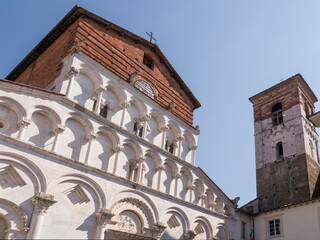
[[226, 51]]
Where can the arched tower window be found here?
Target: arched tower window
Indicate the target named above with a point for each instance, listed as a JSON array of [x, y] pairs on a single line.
[[277, 116], [279, 149]]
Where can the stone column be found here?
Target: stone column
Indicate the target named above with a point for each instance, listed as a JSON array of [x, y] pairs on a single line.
[[72, 75], [176, 178], [157, 229], [23, 126], [178, 144], [91, 138], [99, 92], [202, 199], [145, 120], [117, 150], [193, 156], [124, 107], [190, 191], [140, 163], [40, 203], [103, 217], [159, 169], [163, 142], [58, 131]]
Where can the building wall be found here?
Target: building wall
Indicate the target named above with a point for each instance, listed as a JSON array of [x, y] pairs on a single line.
[[80, 166], [297, 222]]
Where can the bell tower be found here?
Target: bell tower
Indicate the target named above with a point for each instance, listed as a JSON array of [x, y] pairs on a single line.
[[286, 144]]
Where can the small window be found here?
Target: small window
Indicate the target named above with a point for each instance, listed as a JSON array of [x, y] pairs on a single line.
[[136, 130], [1, 125], [94, 105], [148, 62], [169, 147], [243, 230], [274, 227], [279, 149], [104, 111], [277, 116]]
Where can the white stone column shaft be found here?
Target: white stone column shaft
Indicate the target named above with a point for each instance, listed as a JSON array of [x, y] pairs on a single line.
[[58, 131], [117, 150], [160, 169], [163, 141], [23, 125], [72, 74], [40, 203], [124, 107], [100, 92], [89, 150]]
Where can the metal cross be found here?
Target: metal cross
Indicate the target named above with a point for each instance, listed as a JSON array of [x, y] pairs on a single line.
[[151, 36]]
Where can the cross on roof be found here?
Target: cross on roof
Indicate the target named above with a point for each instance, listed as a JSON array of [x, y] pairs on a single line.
[[151, 36]]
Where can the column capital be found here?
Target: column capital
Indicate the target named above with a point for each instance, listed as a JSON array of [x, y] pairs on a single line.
[[190, 187], [178, 139], [160, 168], [118, 148], [195, 147], [125, 104], [91, 136], [103, 216], [100, 89], [59, 129], [163, 129], [176, 176], [73, 72], [203, 197], [141, 159], [145, 118], [157, 229], [24, 122], [41, 202]]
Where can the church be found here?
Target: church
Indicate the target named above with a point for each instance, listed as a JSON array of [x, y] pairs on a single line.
[[97, 142]]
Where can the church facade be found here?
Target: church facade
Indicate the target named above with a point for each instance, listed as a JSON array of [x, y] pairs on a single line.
[[97, 141]]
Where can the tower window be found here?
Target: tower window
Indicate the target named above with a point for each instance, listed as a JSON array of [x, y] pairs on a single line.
[[104, 111], [277, 116], [148, 62], [279, 149]]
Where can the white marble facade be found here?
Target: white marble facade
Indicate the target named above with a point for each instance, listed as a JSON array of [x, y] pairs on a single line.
[[100, 159]]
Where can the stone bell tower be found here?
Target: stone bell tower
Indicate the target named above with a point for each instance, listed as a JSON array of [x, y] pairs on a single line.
[[286, 144]]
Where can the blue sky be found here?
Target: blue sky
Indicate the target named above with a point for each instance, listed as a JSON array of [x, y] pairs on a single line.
[[226, 51]]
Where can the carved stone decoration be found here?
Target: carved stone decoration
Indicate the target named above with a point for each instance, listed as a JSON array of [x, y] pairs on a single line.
[[126, 224], [42, 202], [173, 222], [103, 216], [189, 235], [199, 229], [10, 178], [77, 195], [157, 229]]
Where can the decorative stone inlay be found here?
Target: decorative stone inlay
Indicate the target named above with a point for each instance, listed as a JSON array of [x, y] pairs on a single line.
[[173, 222], [9, 177], [42, 202], [77, 195], [103, 216], [157, 229], [145, 88], [199, 229]]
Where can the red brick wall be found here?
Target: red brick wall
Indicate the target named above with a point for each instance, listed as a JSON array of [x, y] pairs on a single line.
[[47, 67], [118, 53]]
